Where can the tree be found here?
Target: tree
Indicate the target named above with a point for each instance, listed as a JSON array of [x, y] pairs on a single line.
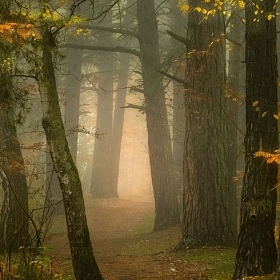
[[256, 253], [84, 264], [209, 213], [14, 213], [120, 100], [101, 166], [159, 141], [177, 49]]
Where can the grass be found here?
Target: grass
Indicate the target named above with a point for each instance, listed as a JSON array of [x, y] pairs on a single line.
[[142, 241], [219, 261]]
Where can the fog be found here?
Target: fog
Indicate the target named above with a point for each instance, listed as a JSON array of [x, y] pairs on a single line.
[[134, 180]]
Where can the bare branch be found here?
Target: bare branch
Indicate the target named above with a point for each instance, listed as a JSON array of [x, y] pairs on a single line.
[[133, 106], [177, 37], [101, 48], [234, 42], [134, 88], [172, 77], [104, 13], [111, 29]]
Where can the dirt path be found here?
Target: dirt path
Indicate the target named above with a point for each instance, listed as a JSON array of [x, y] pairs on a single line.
[[120, 253]]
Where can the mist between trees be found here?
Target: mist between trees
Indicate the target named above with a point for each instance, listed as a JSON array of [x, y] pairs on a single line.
[[173, 102]]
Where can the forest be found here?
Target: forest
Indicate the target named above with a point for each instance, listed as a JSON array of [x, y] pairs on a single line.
[[139, 139]]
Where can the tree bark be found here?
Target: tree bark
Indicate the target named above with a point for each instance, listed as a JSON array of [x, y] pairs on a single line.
[[256, 253], [84, 264], [159, 141], [14, 212], [209, 211]]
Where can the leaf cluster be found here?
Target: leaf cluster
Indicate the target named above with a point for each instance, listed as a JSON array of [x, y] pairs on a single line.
[[269, 157]]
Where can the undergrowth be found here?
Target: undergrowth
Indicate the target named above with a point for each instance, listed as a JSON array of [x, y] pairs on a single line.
[[29, 265]]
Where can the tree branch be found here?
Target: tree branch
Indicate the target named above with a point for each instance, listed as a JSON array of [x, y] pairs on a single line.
[[110, 29], [101, 48], [177, 37], [172, 77], [234, 42], [134, 88], [133, 106]]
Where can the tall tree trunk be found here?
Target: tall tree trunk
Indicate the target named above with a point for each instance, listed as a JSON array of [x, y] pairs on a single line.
[[14, 212], [159, 141], [84, 264], [178, 21], [256, 253], [101, 172], [233, 96], [117, 131], [118, 118], [209, 214]]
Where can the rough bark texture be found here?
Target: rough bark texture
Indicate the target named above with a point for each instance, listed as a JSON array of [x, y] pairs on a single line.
[[159, 142], [209, 214], [84, 264], [256, 254], [14, 212]]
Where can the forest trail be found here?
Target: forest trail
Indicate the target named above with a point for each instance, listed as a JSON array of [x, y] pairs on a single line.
[[124, 245]]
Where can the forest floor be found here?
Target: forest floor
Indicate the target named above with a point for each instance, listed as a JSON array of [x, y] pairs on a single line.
[[126, 248]]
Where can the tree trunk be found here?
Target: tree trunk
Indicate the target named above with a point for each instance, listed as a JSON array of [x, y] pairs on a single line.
[[209, 214], [159, 141], [256, 253], [117, 131], [178, 20], [118, 119], [84, 264], [234, 98], [14, 212], [101, 172]]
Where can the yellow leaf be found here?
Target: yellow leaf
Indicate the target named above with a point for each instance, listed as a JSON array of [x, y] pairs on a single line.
[[241, 3], [204, 11], [263, 114], [211, 12], [270, 16], [55, 16], [198, 9], [254, 104], [184, 8], [276, 116]]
